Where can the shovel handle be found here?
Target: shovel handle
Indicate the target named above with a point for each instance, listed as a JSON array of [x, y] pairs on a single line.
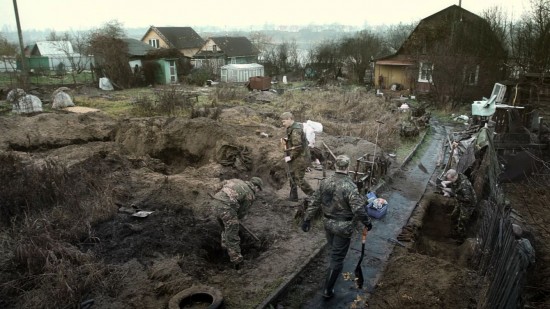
[[364, 235]]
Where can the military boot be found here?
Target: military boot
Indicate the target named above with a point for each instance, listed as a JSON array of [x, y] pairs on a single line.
[[293, 194], [332, 276]]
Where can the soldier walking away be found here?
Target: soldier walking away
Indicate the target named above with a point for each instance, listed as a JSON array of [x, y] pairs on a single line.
[[462, 190], [230, 204], [340, 202], [297, 155]]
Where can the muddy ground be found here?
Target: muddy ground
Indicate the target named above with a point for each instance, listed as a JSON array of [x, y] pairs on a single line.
[[169, 165]]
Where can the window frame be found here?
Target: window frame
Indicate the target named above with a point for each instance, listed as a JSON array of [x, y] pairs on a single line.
[[154, 43], [425, 72]]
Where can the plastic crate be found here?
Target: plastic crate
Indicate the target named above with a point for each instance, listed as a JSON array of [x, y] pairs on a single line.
[[377, 213]]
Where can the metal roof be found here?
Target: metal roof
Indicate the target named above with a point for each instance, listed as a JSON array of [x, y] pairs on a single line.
[[54, 48]]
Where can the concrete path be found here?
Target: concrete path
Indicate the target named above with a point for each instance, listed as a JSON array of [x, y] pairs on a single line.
[[403, 193]]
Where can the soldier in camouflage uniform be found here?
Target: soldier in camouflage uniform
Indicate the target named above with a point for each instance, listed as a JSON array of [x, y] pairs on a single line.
[[463, 191], [230, 204], [297, 155], [341, 203]]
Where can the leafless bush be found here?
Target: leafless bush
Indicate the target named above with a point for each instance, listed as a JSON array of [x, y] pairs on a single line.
[[143, 106], [225, 94], [171, 99]]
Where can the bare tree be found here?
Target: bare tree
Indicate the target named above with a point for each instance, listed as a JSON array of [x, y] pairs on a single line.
[[500, 24], [282, 58], [75, 49], [395, 35], [7, 52], [262, 41], [530, 38], [358, 52], [325, 59], [111, 54]]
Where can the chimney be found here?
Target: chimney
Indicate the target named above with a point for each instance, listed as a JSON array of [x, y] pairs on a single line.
[[460, 3]]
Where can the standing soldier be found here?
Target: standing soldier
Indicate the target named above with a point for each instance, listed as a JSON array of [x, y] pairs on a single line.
[[229, 205], [297, 155], [340, 203], [463, 191]]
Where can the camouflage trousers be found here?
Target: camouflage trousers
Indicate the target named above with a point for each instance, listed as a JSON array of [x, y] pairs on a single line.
[[338, 246], [297, 170], [230, 240], [463, 213]]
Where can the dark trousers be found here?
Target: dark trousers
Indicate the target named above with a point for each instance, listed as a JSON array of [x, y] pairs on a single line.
[[338, 248]]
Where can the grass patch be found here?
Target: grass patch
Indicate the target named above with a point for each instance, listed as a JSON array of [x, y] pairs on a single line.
[[406, 146], [45, 209]]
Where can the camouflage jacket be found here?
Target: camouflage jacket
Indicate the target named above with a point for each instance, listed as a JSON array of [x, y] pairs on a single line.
[[296, 137], [340, 202], [238, 194], [464, 191]]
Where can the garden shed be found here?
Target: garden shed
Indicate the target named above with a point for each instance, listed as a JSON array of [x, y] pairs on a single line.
[[240, 73]]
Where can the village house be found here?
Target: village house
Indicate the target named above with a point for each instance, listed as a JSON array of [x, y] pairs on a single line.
[[185, 39], [233, 59], [453, 54], [219, 51]]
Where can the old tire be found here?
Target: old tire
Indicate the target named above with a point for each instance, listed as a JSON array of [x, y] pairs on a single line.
[[201, 294]]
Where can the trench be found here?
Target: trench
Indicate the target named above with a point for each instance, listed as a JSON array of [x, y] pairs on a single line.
[[403, 192]]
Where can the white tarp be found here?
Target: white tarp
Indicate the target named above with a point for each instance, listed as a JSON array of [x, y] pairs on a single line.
[[62, 99], [23, 103], [105, 84]]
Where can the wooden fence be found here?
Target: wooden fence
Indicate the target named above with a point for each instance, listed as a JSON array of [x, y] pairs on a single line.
[[502, 258]]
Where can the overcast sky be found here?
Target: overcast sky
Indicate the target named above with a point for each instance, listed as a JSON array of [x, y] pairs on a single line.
[[64, 15]]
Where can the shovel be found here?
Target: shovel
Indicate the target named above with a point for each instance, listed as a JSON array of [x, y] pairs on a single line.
[[358, 271]]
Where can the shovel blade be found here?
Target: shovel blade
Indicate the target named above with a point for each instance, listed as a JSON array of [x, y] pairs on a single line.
[[359, 279]]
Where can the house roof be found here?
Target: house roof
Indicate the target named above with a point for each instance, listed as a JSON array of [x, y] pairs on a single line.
[[53, 48], [452, 10], [178, 37], [235, 46], [137, 47]]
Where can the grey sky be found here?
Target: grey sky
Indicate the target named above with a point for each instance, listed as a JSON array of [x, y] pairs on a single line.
[[64, 15]]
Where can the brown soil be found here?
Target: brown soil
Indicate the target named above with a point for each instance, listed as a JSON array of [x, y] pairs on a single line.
[[168, 166]]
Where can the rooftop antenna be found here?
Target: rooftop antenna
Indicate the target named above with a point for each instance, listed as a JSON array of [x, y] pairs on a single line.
[[460, 6]]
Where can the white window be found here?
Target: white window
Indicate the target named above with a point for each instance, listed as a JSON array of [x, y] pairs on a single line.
[[172, 65], [471, 75], [425, 72], [154, 43]]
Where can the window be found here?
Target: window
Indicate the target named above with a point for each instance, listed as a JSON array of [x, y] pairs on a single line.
[[471, 75], [214, 48], [172, 71], [154, 43], [425, 72]]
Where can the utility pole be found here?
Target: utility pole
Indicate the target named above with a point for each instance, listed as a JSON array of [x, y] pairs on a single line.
[[24, 71]]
